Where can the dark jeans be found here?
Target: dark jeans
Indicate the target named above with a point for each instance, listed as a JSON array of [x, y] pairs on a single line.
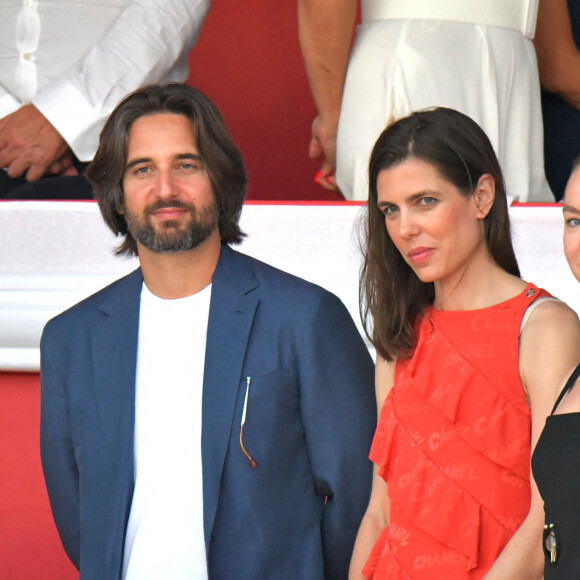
[[561, 140], [67, 187]]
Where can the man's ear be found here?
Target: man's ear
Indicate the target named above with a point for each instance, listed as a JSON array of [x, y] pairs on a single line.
[[484, 195], [119, 208]]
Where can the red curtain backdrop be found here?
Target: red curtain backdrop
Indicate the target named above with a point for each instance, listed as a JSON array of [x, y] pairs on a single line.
[[30, 548], [248, 61]]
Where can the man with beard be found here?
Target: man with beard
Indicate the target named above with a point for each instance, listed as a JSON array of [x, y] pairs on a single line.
[[207, 416]]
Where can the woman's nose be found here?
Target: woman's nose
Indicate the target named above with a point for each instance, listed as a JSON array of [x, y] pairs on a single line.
[[408, 225]]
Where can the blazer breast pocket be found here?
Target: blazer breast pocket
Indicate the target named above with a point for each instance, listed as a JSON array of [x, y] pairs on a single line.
[[269, 406]]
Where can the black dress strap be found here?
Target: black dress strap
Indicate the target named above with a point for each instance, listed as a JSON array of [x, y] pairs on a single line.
[[569, 383]]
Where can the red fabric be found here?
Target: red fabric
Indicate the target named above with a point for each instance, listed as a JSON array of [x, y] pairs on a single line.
[[453, 444], [30, 547]]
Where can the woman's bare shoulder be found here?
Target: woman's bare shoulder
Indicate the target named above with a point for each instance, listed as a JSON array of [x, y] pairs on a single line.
[[549, 348]]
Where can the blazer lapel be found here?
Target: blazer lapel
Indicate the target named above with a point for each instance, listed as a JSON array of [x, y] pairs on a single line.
[[115, 354], [231, 314], [114, 351], [232, 310]]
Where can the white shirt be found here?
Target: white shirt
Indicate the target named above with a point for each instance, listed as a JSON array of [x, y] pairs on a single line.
[[165, 537], [75, 60]]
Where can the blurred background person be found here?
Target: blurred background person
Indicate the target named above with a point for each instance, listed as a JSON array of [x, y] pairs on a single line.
[[476, 57], [556, 460], [557, 40], [571, 212], [64, 66]]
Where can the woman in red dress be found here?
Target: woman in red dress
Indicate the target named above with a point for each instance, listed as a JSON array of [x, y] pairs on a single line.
[[470, 359]]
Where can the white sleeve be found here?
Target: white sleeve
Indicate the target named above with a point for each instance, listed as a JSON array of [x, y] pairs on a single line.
[[8, 104], [149, 42]]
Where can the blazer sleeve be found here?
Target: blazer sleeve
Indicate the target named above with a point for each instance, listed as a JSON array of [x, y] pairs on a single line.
[[57, 454], [339, 414]]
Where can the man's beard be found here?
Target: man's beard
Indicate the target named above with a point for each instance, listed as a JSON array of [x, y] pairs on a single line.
[[169, 236]]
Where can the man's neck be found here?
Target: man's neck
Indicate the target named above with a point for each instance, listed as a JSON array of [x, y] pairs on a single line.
[[180, 274]]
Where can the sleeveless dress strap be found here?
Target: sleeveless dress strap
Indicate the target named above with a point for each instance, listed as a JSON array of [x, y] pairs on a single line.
[[575, 374], [533, 306]]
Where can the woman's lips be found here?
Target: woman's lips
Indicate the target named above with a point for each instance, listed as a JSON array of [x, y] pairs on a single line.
[[420, 255]]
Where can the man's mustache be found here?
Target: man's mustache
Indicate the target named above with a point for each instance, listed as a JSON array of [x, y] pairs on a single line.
[[162, 204]]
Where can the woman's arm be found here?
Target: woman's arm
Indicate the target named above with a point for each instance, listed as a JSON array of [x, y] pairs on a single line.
[[549, 350], [376, 517], [558, 55], [326, 28]]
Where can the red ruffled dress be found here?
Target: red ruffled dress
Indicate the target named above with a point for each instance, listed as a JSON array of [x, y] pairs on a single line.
[[453, 444]]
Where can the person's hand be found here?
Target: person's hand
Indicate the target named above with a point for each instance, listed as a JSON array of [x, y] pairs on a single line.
[[323, 146], [63, 165], [30, 146]]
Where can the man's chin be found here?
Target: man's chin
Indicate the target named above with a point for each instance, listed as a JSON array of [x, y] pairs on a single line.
[[168, 240], [170, 231], [164, 236], [172, 244]]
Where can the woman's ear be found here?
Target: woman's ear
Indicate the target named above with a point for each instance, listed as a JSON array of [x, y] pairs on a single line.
[[484, 195]]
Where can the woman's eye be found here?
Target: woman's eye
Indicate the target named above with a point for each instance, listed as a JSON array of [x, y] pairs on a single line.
[[573, 222], [390, 210], [428, 200]]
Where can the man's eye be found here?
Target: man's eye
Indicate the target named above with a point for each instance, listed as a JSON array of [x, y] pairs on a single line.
[[191, 165], [573, 222]]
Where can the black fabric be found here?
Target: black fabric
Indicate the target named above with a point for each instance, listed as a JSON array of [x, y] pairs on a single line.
[[556, 469], [561, 126], [66, 187], [561, 141], [569, 384]]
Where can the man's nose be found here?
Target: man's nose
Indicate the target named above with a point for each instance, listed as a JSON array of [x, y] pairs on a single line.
[[165, 186]]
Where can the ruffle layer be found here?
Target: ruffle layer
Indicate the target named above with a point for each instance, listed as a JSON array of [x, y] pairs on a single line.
[[453, 444], [392, 560], [439, 506], [474, 408], [422, 488], [381, 563]]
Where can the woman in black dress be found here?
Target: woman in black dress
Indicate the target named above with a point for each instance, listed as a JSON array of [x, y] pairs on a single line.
[[556, 459]]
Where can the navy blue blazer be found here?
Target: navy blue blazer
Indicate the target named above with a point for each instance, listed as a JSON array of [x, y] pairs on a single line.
[[310, 420]]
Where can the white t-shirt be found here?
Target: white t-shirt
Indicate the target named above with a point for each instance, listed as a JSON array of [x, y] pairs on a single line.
[[165, 537]]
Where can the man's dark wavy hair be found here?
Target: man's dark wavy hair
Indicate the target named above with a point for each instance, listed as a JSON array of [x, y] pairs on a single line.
[[220, 155]]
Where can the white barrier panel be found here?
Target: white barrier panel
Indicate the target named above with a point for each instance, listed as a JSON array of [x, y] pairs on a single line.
[[54, 254]]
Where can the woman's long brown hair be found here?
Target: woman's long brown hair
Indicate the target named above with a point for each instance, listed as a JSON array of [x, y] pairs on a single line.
[[391, 295]]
